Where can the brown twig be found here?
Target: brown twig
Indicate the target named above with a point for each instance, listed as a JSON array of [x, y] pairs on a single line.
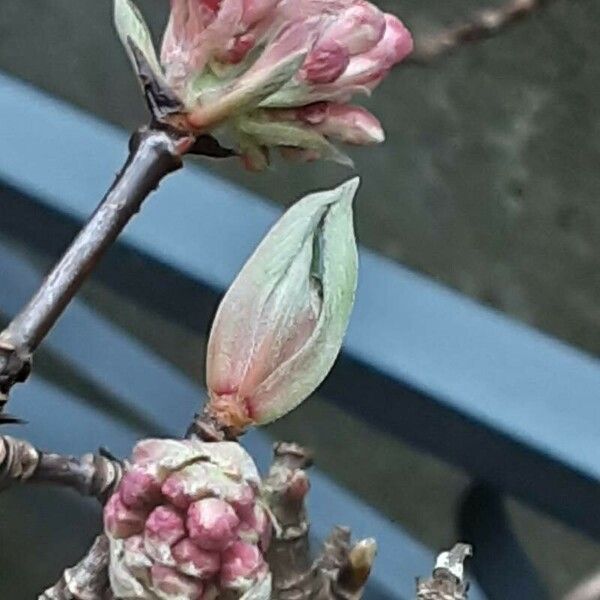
[[481, 25], [448, 580], [285, 488], [91, 475], [341, 570], [154, 153], [88, 579]]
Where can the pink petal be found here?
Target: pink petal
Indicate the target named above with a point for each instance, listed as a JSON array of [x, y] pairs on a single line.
[[170, 582], [212, 523], [255, 10], [139, 489], [166, 523], [351, 124], [121, 521], [358, 28], [241, 561], [194, 561], [257, 528], [395, 45], [326, 62]]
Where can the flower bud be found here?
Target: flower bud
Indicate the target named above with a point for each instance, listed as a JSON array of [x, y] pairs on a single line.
[[121, 521], [280, 326], [228, 62], [212, 523], [194, 561], [196, 500], [358, 28], [164, 528], [169, 584], [326, 62], [242, 563], [371, 67], [139, 489], [350, 124]]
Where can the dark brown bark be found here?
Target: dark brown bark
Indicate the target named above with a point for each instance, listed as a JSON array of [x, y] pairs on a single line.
[[87, 580], [341, 570], [154, 153], [482, 25], [448, 579], [91, 475]]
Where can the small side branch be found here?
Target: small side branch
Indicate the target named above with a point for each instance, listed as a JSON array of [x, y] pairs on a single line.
[[341, 570], [482, 25], [94, 475], [154, 153], [286, 487], [448, 579], [87, 580]]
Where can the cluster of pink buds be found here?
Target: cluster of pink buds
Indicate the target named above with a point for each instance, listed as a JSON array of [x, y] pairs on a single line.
[[187, 523], [236, 64]]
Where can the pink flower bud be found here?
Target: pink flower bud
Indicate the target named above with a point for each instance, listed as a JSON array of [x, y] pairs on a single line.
[[370, 67], [326, 62], [241, 564], [171, 548], [201, 480], [169, 583], [212, 523], [256, 10], [121, 521], [229, 61], [244, 502], [139, 489], [358, 28], [256, 528], [195, 562], [164, 528], [352, 125]]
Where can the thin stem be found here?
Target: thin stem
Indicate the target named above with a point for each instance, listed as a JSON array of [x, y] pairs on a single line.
[[286, 487], [154, 153], [92, 475], [481, 25], [87, 579], [448, 578]]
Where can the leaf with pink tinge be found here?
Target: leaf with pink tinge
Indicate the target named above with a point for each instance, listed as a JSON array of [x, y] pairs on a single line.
[[280, 326]]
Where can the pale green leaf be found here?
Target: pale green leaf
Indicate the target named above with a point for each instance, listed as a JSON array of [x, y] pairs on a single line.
[[307, 263], [273, 133], [130, 25], [245, 92]]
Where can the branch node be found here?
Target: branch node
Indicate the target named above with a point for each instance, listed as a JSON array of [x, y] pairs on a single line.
[[448, 580], [87, 580]]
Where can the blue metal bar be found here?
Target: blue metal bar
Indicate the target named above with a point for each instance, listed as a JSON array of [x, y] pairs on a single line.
[[105, 355], [499, 563], [507, 403]]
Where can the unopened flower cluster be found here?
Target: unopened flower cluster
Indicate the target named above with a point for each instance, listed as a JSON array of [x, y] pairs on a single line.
[[187, 523], [281, 73]]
